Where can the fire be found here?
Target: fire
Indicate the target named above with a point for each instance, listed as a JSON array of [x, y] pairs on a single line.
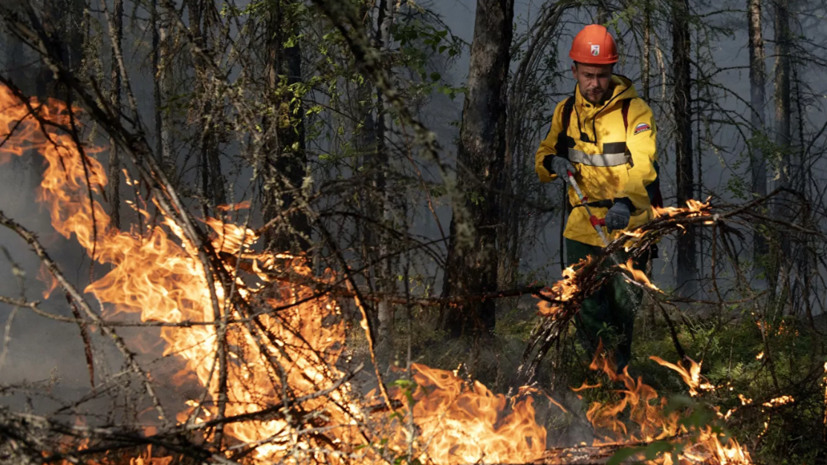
[[651, 421], [638, 275], [694, 207], [467, 424], [157, 275], [284, 342], [779, 401], [825, 401], [563, 290], [692, 376]]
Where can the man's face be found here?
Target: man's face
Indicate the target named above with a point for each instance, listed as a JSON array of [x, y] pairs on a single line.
[[594, 81]]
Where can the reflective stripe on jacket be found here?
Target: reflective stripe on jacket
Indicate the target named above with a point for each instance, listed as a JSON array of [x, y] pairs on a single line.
[[612, 160]]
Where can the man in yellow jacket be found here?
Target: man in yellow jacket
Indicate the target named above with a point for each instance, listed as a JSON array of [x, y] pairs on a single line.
[[605, 136]]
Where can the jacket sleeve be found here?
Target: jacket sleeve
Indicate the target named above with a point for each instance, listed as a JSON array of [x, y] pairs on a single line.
[[641, 140], [548, 146]]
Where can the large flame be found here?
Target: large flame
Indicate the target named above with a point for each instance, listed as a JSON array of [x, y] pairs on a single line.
[[289, 347], [160, 279], [288, 353]]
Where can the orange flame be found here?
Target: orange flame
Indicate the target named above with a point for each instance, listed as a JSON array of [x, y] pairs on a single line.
[[156, 274], [646, 411], [563, 290], [461, 424], [160, 280], [638, 275], [694, 207], [296, 349], [692, 376]]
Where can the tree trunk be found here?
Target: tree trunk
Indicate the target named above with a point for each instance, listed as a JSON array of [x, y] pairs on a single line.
[[782, 88], [212, 180], [757, 81], [647, 45], [472, 251], [161, 90], [114, 159], [62, 23], [782, 139], [16, 60], [384, 122], [682, 109], [287, 158]]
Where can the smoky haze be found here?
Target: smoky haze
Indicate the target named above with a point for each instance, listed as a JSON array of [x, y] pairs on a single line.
[[40, 349]]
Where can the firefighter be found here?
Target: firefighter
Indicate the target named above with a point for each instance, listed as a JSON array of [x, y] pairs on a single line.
[[605, 135]]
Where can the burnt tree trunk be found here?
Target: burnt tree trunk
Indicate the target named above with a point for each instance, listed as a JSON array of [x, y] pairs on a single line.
[[472, 250], [285, 153], [757, 81], [114, 158], [682, 109]]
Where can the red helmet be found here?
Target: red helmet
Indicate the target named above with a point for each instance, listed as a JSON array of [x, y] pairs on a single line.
[[594, 46]]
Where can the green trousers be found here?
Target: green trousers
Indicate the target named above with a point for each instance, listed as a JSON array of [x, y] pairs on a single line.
[[609, 313]]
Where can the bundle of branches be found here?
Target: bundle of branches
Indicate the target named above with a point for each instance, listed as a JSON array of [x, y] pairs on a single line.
[[562, 301]]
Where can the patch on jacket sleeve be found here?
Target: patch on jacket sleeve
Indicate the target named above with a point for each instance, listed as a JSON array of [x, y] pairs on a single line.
[[642, 127]]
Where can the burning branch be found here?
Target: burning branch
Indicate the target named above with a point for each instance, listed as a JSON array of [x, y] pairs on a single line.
[[561, 303]]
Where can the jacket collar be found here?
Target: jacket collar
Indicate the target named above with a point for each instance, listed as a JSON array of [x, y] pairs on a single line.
[[622, 89]]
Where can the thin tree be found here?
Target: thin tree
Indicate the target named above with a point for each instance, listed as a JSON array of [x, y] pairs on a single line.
[[757, 81], [782, 88], [114, 158], [383, 125], [783, 122], [472, 251], [682, 109], [211, 184], [647, 49], [160, 88], [287, 158]]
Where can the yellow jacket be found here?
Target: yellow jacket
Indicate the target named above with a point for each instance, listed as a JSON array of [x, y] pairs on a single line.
[[610, 164]]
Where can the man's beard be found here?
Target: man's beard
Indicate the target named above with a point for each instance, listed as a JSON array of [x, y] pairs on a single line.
[[595, 97]]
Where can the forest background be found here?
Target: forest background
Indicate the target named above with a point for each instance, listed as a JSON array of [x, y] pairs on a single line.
[[392, 141]]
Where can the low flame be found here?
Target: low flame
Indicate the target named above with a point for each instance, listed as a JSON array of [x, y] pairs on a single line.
[[462, 424], [647, 413]]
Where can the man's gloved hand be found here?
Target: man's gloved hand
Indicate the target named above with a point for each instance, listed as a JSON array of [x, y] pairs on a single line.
[[619, 215], [561, 167]]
